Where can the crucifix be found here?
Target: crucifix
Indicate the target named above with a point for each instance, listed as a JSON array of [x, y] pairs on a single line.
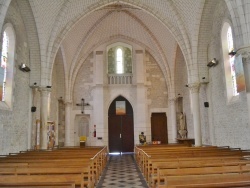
[[82, 104]]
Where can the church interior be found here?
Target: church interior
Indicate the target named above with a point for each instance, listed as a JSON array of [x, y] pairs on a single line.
[[121, 75]]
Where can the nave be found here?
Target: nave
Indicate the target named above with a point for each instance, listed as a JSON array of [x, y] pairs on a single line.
[[161, 166], [122, 171]]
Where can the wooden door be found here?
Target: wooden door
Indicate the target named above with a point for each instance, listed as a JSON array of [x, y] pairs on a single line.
[[115, 144], [121, 128], [127, 133], [159, 129]]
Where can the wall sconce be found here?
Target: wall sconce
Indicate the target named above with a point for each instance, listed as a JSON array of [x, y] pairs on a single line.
[[213, 62], [23, 67], [232, 53]]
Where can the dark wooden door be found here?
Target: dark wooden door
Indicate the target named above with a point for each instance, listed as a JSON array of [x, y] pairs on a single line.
[[159, 127], [127, 133], [115, 144], [121, 128]]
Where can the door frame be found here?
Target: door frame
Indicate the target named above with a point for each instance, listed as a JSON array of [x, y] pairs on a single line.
[[123, 120]]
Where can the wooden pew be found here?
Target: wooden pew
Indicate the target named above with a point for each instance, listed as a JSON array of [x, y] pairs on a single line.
[[162, 153], [57, 178], [164, 175], [154, 159], [39, 185], [209, 181], [82, 166], [219, 162]]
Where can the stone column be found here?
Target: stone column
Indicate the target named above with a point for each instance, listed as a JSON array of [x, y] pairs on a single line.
[[45, 95], [141, 111], [99, 100], [172, 108], [68, 110], [194, 90], [35, 116]]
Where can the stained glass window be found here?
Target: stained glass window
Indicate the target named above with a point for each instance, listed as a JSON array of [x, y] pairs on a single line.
[[119, 61], [231, 60], [3, 68]]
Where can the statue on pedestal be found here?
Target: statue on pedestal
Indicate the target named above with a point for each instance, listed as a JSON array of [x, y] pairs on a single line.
[[182, 125]]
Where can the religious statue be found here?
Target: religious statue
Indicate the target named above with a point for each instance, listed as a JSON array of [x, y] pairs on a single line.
[[182, 126], [142, 138]]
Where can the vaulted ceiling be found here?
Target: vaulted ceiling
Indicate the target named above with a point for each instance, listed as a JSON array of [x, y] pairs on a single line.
[[77, 27]]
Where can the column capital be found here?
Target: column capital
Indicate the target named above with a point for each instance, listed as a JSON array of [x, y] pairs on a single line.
[[244, 51], [194, 87], [42, 89], [68, 102], [172, 100]]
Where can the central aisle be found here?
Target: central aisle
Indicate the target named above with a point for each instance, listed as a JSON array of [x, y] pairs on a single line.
[[122, 171]]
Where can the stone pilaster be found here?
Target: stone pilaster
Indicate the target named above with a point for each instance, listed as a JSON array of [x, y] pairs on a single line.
[[194, 91], [173, 124], [68, 110], [45, 95]]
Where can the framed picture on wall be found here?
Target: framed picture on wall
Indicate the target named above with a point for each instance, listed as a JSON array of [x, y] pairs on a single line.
[[120, 108]]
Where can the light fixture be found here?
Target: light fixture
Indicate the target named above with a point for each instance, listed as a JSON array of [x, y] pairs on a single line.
[[23, 67], [212, 63], [232, 53]]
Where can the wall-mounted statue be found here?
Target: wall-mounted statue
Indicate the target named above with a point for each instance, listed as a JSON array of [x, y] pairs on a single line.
[[182, 129]]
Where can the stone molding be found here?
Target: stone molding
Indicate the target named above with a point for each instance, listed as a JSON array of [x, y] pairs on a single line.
[[194, 87], [245, 52], [172, 101], [99, 52], [44, 89], [68, 103]]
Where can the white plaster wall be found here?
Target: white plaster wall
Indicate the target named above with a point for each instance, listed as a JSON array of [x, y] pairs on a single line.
[[229, 120], [181, 80], [14, 124]]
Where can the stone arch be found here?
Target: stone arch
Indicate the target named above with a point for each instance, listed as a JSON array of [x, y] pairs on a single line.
[[238, 16], [182, 38], [7, 104], [3, 10], [128, 98], [82, 127], [33, 40]]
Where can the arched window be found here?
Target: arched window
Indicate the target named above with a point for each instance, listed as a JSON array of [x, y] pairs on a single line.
[[3, 69], [6, 68], [119, 61], [229, 67], [231, 60], [119, 58]]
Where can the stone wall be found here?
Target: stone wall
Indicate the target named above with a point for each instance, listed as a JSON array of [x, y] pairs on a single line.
[[156, 85], [84, 83]]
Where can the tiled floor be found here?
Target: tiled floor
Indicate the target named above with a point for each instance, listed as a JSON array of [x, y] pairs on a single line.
[[122, 171]]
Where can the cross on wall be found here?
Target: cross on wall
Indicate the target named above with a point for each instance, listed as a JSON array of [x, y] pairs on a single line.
[[82, 104]]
